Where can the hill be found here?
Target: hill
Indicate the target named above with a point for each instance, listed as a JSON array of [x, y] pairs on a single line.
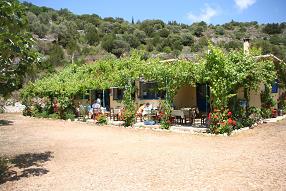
[[63, 37]]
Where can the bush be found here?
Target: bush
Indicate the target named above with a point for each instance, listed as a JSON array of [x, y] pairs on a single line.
[[35, 111], [3, 166], [27, 111], [266, 113], [247, 122], [70, 116], [129, 117], [44, 114], [239, 125], [254, 113], [102, 119], [54, 116], [221, 122]]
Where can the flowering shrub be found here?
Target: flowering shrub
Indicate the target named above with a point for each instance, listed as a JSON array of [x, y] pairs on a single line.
[[221, 121], [165, 115], [101, 119]]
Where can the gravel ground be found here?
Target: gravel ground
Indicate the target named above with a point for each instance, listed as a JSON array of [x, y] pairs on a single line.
[[61, 155]]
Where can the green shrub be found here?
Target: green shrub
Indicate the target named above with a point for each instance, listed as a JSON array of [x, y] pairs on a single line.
[[247, 122], [128, 117], [102, 119], [3, 166], [254, 113], [266, 113], [35, 111], [282, 104], [54, 116], [238, 125], [221, 122], [44, 114], [69, 115], [27, 111]]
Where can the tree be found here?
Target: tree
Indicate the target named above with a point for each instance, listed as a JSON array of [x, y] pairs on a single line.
[[55, 58], [67, 32], [132, 40], [115, 46], [164, 33], [72, 48], [107, 42], [91, 35], [187, 39], [273, 28], [16, 46]]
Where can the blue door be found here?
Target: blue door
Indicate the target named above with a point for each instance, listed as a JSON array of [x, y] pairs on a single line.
[[203, 94]]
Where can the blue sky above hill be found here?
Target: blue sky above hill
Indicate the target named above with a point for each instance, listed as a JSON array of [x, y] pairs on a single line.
[[183, 11]]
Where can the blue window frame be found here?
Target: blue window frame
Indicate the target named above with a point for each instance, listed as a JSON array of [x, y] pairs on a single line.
[[275, 87]]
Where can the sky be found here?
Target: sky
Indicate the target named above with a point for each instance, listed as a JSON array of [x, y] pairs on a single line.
[[182, 11]]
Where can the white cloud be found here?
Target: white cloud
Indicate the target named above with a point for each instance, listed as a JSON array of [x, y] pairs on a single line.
[[244, 4], [207, 13]]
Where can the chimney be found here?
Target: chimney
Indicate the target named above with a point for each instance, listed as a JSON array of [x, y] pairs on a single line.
[[246, 45]]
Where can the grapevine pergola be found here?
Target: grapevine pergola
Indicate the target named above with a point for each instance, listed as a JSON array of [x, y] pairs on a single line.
[[223, 72]]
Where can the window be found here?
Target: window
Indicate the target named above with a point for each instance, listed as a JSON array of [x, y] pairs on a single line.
[[275, 87], [149, 90], [117, 93]]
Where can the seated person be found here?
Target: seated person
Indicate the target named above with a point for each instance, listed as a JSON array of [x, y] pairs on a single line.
[[90, 111], [147, 109], [96, 108]]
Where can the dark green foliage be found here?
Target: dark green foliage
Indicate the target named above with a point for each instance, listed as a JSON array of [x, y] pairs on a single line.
[[55, 58], [187, 39], [67, 32], [107, 42], [267, 100], [115, 46], [54, 116], [16, 53], [132, 40], [102, 119], [91, 35], [4, 166], [219, 30], [150, 26], [232, 45], [164, 32], [266, 113], [274, 28], [69, 115], [199, 31]]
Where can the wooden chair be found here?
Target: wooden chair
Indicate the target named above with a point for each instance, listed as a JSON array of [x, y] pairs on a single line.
[[178, 115], [114, 114]]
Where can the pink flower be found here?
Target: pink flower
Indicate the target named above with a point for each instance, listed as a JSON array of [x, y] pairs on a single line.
[[229, 113], [229, 121], [233, 122]]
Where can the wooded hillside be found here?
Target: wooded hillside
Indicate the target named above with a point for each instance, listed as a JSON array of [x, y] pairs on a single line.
[[64, 37]]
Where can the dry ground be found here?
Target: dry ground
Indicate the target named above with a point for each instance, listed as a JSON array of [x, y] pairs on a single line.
[[60, 155]]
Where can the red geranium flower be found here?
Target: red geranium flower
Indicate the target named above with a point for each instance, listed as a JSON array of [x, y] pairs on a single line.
[[229, 113], [229, 121], [233, 122], [209, 116]]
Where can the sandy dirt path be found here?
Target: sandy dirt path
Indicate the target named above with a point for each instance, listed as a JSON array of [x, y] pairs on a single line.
[[61, 155]]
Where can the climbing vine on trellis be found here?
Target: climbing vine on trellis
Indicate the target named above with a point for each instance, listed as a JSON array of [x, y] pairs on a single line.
[[223, 72]]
